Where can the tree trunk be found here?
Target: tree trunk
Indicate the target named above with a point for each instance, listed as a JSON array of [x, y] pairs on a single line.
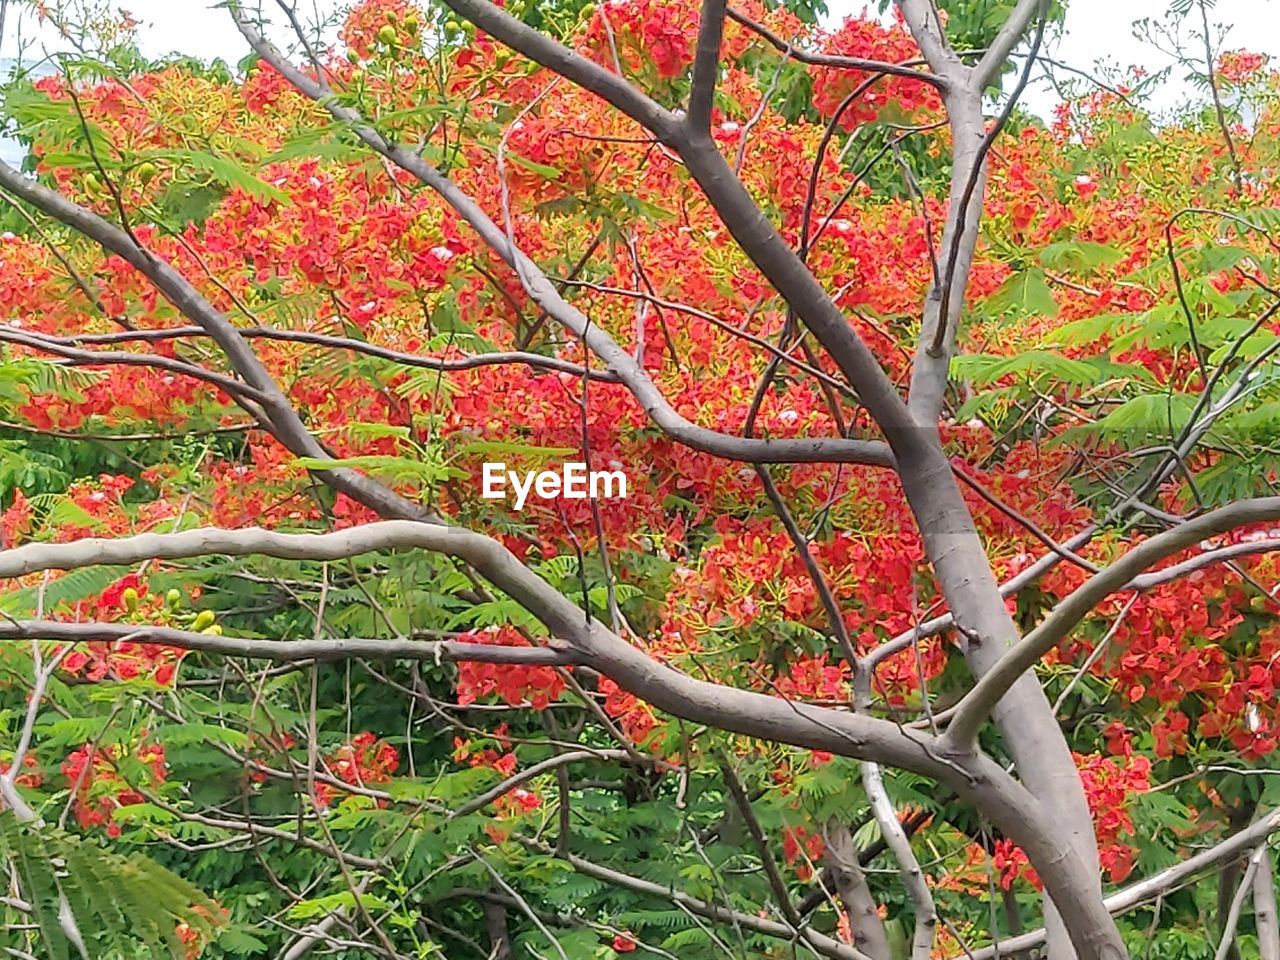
[[841, 856], [1265, 921]]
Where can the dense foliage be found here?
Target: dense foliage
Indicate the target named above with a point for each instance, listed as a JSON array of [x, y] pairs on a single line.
[[1120, 307]]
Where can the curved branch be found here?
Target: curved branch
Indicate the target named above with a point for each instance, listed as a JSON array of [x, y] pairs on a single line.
[[826, 946], [972, 711], [899, 845], [904, 69], [499, 358], [122, 358], [555, 653], [1006, 39], [1011, 587], [277, 414], [555, 56], [922, 20], [976, 778], [529, 773], [544, 293], [1144, 891]]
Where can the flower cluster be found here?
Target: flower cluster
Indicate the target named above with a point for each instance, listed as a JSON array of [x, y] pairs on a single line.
[[514, 684], [901, 99], [94, 775], [363, 761]]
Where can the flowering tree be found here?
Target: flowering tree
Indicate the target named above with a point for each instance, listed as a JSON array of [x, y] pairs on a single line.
[[941, 602]]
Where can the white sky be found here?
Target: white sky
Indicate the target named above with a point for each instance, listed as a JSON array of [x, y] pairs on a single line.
[[1095, 30]]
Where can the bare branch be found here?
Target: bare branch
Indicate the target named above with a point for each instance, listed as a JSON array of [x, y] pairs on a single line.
[[1265, 922], [120, 358], [555, 653], [1145, 891], [825, 945], [542, 49], [1232, 919], [498, 358], [841, 857], [276, 412], [925, 25], [905, 69], [1006, 39], [543, 291], [913, 877], [978, 703], [706, 66], [536, 770]]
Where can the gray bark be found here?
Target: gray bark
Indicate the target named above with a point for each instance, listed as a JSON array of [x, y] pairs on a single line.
[[1265, 921], [841, 857]]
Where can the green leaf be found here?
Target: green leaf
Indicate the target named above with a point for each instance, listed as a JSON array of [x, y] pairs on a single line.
[[1144, 417], [394, 468], [1079, 256], [224, 171], [323, 906], [541, 169], [984, 369], [1090, 329], [120, 901], [68, 588], [1024, 294]]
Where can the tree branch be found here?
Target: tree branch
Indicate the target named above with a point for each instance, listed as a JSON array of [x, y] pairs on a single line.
[[978, 779], [706, 66], [498, 358], [555, 56], [913, 877], [922, 20], [826, 946], [1006, 39], [905, 69], [1265, 922], [555, 653], [280, 417], [841, 857], [1144, 891], [978, 703], [121, 358], [621, 363], [1232, 919]]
